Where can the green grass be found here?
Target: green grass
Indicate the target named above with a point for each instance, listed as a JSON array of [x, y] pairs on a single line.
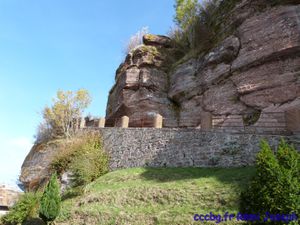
[[157, 196]]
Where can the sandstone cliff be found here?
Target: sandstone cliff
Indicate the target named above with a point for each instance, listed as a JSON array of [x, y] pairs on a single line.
[[253, 70], [36, 166]]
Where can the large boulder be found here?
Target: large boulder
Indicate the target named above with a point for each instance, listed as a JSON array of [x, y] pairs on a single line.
[[158, 40], [36, 168]]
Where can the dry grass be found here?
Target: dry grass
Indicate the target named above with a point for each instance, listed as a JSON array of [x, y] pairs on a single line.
[[136, 40]]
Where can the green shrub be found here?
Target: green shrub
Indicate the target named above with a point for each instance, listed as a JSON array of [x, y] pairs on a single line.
[[276, 186], [90, 165], [50, 201], [66, 154], [186, 12], [84, 157], [193, 31], [25, 208], [180, 39]]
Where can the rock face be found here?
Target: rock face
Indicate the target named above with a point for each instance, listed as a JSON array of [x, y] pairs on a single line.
[[8, 196], [141, 88], [256, 69], [36, 166]]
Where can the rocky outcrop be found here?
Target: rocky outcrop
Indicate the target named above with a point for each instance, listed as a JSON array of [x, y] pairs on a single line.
[[141, 88], [157, 40], [255, 69], [36, 168], [8, 196]]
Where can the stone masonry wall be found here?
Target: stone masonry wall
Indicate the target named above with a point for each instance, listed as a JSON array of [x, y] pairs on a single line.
[[170, 147]]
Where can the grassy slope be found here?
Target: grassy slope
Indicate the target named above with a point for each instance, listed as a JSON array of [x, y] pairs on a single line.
[[157, 196]]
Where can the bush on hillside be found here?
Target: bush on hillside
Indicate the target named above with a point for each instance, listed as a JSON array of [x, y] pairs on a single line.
[[84, 157], [92, 164], [276, 186], [25, 208]]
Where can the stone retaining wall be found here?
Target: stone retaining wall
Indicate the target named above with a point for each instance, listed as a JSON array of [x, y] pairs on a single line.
[[169, 147]]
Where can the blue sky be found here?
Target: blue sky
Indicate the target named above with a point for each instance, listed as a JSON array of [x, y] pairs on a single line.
[[62, 44]]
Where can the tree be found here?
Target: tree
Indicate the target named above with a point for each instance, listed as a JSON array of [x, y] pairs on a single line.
[[24, 209], [276, 184], [194, 20], [186, 13], [62, 118], [50, 201]]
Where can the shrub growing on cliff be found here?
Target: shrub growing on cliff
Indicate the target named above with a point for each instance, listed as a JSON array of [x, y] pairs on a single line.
[[50, 201], [276, 186], [195, 21], [62, 118], [202, 25], [25, 208], [186, 12]]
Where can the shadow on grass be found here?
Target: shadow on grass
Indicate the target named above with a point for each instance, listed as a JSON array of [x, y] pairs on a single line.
[[239, 176], [72, 193], [34, 221]]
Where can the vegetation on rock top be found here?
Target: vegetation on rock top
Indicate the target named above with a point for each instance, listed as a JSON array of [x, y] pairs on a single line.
[[62, 119]]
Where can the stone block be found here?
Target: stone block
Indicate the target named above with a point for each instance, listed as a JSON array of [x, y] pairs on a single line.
[[206, 121], [82, 123], [292, 117], [101, 123], [124, 122], [158, 121]]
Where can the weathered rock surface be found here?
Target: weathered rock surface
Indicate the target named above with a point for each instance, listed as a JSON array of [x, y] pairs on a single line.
[[8, 196], [257, 68], [141, 88], [268, 36], [223, 99], [36, 166], [158, 40]]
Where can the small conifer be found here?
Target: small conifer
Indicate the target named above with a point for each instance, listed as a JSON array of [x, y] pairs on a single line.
[[275, 188], [50, 202]]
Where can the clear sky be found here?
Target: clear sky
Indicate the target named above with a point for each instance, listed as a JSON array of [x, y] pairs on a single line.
[[62, 44]]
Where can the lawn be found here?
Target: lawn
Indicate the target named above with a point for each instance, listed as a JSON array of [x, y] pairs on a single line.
[[157, 196]]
